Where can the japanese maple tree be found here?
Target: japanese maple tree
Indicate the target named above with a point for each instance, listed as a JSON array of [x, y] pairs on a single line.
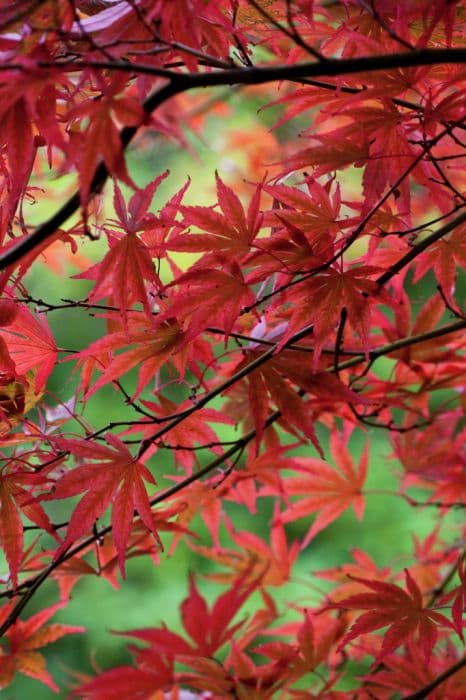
[[254, 328]]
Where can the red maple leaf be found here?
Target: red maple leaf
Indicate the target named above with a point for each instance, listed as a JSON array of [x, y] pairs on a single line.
[[403, 612], [100, 140], [458, 595], [28, 103], [446, 257], [261, 470], [314, 213], [193, 430], [124, 271], [31, 345], [208, 630], [115, 478], [15, 497], [136, 682], [155, 342], [24, 639], [210, 296], [229, 234], [335, 289]]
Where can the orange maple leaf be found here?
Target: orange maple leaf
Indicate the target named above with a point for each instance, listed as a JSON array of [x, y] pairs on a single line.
[[24, 638], [327, 490]]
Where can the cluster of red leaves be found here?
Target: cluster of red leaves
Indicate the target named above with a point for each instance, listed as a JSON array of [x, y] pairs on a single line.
[[319, 301]]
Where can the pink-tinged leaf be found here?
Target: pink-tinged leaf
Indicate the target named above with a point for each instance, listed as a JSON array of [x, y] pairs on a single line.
[[31, 345]]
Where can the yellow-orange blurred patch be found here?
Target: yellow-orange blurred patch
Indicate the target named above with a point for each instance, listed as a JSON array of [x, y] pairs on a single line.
[[58, 257], [249, 16], [16, 399]]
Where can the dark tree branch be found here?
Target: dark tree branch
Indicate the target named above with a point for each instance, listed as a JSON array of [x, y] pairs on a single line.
[[424, 692], [420, 247], [259, 75]]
